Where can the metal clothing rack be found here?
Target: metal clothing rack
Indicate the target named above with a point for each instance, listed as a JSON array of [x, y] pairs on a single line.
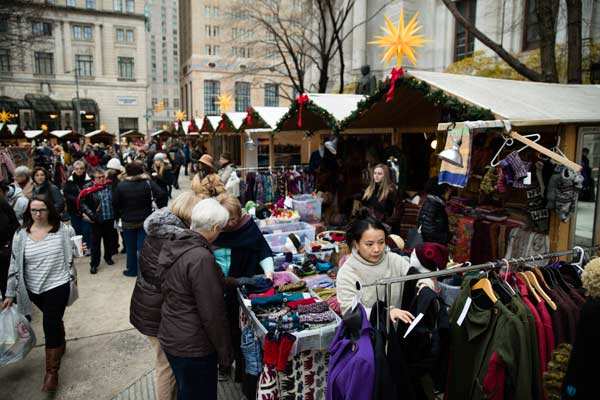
[[388, 282], [280, 167]]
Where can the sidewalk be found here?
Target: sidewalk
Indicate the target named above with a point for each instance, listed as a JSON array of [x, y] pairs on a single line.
[[106, 357]]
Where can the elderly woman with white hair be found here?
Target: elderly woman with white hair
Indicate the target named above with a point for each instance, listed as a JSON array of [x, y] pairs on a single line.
[[193, 330], [23, 180]]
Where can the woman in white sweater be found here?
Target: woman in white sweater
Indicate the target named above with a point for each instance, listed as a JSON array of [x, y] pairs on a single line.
[[371, 261]]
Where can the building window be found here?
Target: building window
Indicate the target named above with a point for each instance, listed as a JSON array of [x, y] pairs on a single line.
[[129, 35], [41, 28], [44, 63], [211, 11], [126, 68], [4, 60], [241, 52], [118, 5], [212, 91], [125, 35], [130, 6], [242, 96], [271, 95], [83, 63], [71, 3], [212, 30], [154, 101], [90, 4], [82, 32], [211, 50], [464, 41], [128, 124], [4, 23], [176, 104], [531, 31]]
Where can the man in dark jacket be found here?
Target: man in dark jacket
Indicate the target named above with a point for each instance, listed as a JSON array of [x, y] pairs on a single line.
[[193, 331], [78, 181], [433, 219], [132, 202], [95, 203]]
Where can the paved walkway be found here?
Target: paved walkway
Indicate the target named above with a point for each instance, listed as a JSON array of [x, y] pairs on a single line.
[[106, 356]]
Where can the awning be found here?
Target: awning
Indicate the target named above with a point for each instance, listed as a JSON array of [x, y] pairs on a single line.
[[318, 112], [263, 117], [64, 104], [33, 134], [61, 133], [41, 103], [231, 122], [87, 105], [521, 102], [13, 105]]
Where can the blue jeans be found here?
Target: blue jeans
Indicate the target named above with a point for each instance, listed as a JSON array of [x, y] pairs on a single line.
[[82, 228], [134, 240], [196, 376]]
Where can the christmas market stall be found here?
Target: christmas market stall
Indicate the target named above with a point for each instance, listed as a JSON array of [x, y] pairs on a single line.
[[132, 136], [226, 138], [100, 136], [258, 127], [11, 134]]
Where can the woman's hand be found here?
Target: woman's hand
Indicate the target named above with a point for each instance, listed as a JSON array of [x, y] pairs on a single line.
[[8, 301], [402, 315]]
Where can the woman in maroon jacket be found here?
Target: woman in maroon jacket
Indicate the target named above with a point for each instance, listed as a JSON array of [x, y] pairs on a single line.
[[193, 329]]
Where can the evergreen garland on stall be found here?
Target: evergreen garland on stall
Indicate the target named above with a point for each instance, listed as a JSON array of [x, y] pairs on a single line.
[[308, 107], [226, 123], [452, 108]]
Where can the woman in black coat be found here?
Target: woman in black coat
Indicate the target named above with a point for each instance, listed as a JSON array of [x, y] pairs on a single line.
[[42, 186], [433, 219]]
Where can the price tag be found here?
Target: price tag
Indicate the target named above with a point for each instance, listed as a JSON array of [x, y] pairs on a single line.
[[288, 203], [413, 324], [527, 180], [464, 311]]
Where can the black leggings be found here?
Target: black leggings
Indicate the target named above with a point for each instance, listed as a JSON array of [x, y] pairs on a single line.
[[52, 304]]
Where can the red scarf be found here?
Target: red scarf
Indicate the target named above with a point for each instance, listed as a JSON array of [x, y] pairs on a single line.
[[92, 189]]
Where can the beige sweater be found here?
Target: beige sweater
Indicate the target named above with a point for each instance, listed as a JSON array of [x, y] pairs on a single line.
[[358, 269]]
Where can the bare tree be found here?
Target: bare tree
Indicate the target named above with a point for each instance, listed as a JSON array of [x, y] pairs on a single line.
[[297, 35], [16, 19], [547, 15]]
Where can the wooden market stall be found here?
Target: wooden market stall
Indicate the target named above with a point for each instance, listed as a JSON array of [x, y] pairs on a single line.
[[226, 138], [100, 136], [258, 127], [421, 100], [132, 136], [11, 134]]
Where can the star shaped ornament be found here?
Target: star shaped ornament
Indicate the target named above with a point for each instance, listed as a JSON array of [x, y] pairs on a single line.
[[225, 102], [180, 115], [400, 41], [5, 116]]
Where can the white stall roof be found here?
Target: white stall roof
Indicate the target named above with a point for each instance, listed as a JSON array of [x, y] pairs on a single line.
[[61, 133], [96, 132], [271, 115], [214, 121], [33, 134], [521, 102], [338, 105], [236, 118]]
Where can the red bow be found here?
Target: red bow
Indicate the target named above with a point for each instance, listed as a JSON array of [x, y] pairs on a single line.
[[249, 118], [221, 124], [397, 73], [192, 127], [302, 100]]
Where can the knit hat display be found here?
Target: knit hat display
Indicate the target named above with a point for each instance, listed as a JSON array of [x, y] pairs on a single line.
[[432, 256]]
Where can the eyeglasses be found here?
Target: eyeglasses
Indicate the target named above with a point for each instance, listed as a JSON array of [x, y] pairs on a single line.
[[39, 210]]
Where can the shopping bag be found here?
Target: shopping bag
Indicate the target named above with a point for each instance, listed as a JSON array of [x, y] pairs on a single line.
[[16, 336]]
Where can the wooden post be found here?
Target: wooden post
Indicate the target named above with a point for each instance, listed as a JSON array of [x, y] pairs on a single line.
[[560, 232]]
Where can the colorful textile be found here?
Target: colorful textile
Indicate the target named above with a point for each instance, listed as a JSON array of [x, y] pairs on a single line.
[[319, 307], [451, 174], [460, 247]]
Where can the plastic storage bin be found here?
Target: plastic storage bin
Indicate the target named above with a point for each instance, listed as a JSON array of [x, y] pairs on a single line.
[[309, 207], [277, 234]]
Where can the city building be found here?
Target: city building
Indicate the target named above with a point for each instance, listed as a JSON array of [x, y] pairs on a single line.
[[163, 61], [512, 23], [94, 50], [219, 56]]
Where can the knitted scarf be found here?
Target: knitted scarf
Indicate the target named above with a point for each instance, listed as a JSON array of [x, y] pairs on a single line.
[[93, 189]]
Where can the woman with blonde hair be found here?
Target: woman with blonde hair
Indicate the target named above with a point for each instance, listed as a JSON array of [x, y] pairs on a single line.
[[163, 228], [380, 196]]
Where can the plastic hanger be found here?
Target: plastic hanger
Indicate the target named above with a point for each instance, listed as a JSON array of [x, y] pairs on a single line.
[[579, 263], [486, 286], [509, 142]]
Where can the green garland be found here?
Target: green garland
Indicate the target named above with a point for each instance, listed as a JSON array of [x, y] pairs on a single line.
[[310, 107], [255, 117], [452, 108], [226, 119]]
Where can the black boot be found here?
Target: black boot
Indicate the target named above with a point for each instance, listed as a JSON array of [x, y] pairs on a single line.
[[109, 261], [94, 269]]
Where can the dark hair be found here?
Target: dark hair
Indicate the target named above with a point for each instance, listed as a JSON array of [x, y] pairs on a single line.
[[53, 216], [134, 168], [44, 170], [362, 223], [586, 149], [434, 188]]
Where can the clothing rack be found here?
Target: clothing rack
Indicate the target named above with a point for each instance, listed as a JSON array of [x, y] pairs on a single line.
[[388, 282], [280, 167]]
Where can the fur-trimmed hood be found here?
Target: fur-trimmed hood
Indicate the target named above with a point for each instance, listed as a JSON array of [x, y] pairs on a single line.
[[141, 177], [163, 223]]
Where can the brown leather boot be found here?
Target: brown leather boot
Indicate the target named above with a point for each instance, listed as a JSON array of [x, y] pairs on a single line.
[[52, 366]]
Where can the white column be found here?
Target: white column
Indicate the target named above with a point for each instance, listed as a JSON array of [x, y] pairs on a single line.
[[68, 50], [58, 49], [98, 43], [109, 60], [359, 36]]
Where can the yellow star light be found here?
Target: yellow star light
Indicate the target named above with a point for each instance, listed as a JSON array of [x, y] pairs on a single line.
[[400, 40], [5, 116], [225, 102], [180, 115]]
